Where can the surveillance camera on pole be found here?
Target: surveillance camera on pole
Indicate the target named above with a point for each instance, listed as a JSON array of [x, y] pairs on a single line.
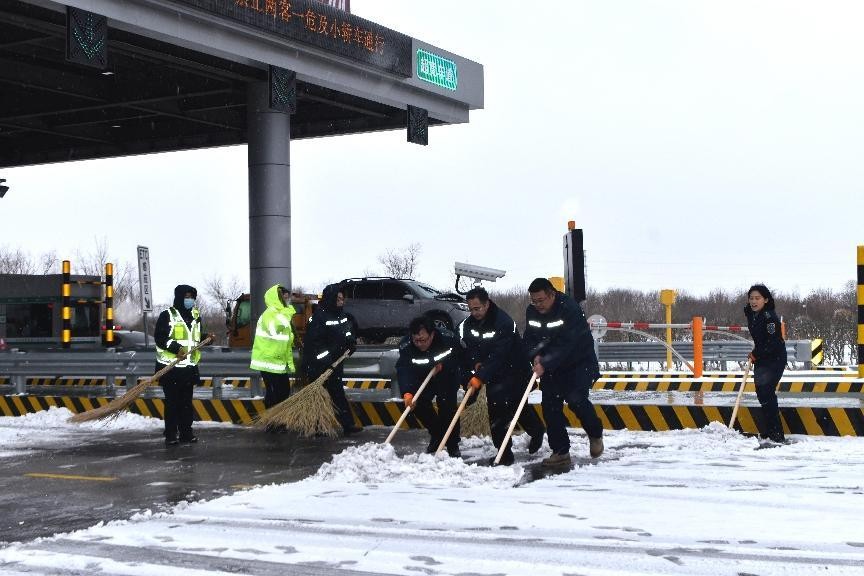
[[3, 189], [476, 273]]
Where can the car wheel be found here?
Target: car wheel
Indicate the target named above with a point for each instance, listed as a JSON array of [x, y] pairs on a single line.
[[442, 322]]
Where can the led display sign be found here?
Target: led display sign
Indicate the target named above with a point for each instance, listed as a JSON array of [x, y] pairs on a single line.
[[322, 26]]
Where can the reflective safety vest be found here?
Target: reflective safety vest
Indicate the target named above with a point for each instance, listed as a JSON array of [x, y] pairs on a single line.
[[272, 350], [179, 332]]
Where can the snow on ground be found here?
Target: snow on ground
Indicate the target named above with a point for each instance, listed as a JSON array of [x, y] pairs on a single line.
[[695, 502], [16, 432]]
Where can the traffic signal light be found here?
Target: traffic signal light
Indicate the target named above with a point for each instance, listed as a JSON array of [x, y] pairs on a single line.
[[3, 189]]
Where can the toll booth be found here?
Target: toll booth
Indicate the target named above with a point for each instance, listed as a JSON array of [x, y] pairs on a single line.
[[31, 310]]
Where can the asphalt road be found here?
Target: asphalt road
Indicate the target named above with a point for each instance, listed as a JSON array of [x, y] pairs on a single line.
[[111, 475]]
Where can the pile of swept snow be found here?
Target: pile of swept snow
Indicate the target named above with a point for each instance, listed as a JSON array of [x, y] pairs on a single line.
[[375, 463], [18, 433], [56, 417]]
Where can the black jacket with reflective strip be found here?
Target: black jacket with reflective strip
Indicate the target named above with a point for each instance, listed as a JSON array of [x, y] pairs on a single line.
[[328, 335], [564, 334], [768, 343], [495, 343], [413, 365]]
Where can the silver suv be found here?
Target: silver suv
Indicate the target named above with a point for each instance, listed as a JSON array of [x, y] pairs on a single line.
[[381, 307]]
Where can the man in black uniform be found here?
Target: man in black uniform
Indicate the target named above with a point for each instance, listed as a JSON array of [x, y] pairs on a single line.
[[328, 337], [559, 339], [424, 348], [495, 356]]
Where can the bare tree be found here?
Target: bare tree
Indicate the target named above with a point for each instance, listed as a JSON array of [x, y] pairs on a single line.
[[16, 261], [219, 290], [401, 263], [125, 274]]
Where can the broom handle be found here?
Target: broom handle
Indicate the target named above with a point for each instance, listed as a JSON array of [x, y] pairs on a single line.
[[740, 393], [326, 374], [174, 362], [516, 417], [455, 419], [411, 406]]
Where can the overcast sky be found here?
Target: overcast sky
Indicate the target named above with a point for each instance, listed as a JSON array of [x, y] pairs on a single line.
[[699, 145]]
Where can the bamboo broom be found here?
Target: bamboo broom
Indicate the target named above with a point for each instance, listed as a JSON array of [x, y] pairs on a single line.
[[475, 418], [310, 412], [115, 407]]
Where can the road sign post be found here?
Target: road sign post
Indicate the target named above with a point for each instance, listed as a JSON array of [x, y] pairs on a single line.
[[145, 285]]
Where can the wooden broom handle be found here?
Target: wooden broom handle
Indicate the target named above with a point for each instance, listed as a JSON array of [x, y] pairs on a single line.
[[740, 393], [516, 417], [411, 407], [455, 419]]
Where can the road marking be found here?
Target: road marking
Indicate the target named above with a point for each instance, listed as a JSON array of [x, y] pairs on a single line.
[[70, 477]]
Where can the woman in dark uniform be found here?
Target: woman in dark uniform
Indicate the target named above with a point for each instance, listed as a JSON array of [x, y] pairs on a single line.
[[768, 355]]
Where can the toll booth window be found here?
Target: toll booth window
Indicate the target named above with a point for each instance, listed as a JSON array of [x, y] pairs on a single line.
[[244, 313], [367, 290], [85, 319], [28, 320], [394, 291]]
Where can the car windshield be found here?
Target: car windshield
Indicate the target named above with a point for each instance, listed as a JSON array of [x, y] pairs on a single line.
[[425, 289]]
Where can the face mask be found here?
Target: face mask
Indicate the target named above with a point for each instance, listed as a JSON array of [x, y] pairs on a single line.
[[189, 303]]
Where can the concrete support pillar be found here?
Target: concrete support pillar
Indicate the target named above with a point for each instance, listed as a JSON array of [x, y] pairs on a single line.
[[269, 196]]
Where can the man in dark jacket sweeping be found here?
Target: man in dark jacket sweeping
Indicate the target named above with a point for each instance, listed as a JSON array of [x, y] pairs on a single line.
[[328, 336], [562, 352], [178, 330], [424, 348], [495, 356]]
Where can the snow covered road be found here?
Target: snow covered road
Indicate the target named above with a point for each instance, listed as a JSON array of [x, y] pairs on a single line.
[[696, 502]]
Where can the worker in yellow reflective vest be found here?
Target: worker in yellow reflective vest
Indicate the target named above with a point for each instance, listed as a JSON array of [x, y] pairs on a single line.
[[178, 330], [272, 349]]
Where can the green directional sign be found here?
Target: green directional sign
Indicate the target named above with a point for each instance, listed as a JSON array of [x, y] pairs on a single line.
[[437, 70]]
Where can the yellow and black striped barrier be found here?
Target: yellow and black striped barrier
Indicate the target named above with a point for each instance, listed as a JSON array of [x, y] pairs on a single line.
[[860, 311], [797, 420], [839, 386], [206, 382], [850, 371], [817, 353], [844, 371], [367, 384], [236, 411]]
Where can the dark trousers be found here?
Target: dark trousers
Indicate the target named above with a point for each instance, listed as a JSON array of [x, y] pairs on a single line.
[[277, 387], [437, 424], [178, 385], [336, 389], [571, 386], [767, 376], [501, 415]]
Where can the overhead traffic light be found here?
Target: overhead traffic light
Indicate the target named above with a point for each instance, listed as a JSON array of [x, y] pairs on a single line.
[[3, 189]]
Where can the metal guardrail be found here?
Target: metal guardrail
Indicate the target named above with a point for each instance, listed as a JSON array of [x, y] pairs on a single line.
[[728, 350], [215, 362], [365, 363]]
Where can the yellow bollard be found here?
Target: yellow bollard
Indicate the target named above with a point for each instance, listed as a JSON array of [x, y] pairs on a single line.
[[667, 298]]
